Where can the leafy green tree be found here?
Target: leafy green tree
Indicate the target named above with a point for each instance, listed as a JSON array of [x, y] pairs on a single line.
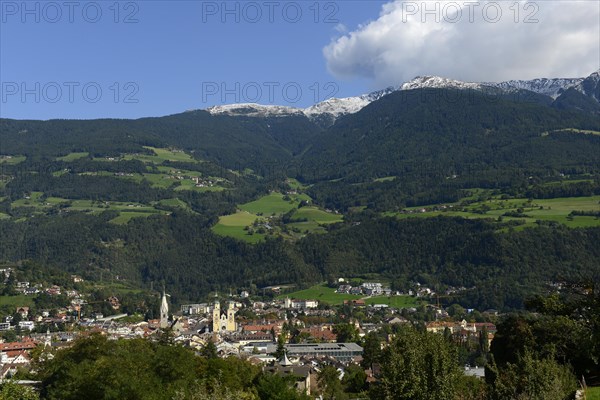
[[12, 391], [330, 384], [513, 336], [457, 311], [209, 350], [346, 333], [418, 366], [97, 368], [484, 343], [531, 379], [280, 351], [355, 379], [371, 350], [564, 328], [9, 336], [276, 387], [213, 391], [471, 388]]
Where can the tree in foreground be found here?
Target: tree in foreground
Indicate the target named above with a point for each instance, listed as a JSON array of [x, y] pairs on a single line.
[[330, 384], [12, 391], [531, 379], [418, 366]]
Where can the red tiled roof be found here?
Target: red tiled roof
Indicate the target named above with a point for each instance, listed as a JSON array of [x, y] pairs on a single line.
[[260, 328], [26, 344]]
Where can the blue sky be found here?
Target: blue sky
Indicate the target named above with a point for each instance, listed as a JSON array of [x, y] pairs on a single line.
[[130, 59], [170, 57]]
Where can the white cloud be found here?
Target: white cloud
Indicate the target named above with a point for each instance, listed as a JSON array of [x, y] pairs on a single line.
[[341, 28], [472, 41]]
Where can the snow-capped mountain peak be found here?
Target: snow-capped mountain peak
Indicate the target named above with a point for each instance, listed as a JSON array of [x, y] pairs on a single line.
[[590, 86], [549, 87], [347, 105], [326, 112], [254, 110], [437, 82]]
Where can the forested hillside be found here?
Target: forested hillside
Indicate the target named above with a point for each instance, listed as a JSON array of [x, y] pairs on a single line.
[[429, 186]]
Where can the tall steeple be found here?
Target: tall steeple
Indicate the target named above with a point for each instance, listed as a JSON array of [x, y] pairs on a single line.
[[164, 311], [48, 339]]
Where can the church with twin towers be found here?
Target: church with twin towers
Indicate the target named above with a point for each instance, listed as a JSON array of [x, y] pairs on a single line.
[[223, 320]]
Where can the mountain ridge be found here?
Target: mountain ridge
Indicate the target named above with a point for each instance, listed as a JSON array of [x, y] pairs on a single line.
[[328, 111]]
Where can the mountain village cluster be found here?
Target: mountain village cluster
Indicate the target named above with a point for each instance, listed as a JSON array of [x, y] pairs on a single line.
[[303, 327]]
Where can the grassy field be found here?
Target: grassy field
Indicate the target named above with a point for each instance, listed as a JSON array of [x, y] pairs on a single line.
[[12, 159], [73, 156], [385, 179], [126, 210], [295, 184], [233, 226], [166, 177], [270, 204], [573, 130], [322, 293], [304, 219], [175, 202], [126, 216], [393, 301], [593, 393], [325, 294], [161, 155], [315, 218], [556, 210], [158, 176], [117, 287], [190, 185], [17, 301]]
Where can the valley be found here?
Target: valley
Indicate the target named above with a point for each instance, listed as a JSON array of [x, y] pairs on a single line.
[[266, 197]]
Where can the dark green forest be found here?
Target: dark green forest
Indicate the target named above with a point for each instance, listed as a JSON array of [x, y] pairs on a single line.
[[409, 148]]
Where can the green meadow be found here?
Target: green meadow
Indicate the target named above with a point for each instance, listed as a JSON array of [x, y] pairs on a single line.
[[312, 219], [12, 160], [593, 393], [270, 204], [233, 226], [17, 301], [323, 293], [73, 156], [161, 155], [523, 210], [126, 210], [304, 219], [126, 216], [385, 179], [157, 156], [573, 130], [393, 301], [158, 176]]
